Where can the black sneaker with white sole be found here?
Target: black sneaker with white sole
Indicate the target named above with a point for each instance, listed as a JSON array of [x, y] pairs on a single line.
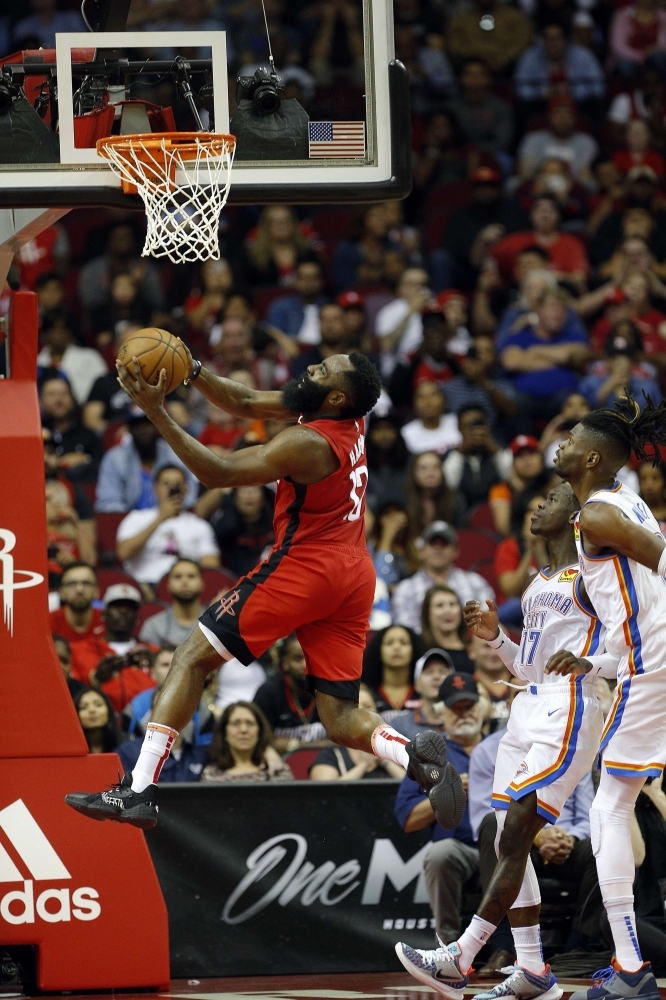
[[429, 767], [119, 803]]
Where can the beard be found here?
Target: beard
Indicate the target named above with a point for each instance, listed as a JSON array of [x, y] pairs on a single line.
[[303, 395], [79, 603], [187, 596]]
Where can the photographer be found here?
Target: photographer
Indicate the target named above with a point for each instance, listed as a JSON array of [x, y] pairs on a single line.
[[149, 541]]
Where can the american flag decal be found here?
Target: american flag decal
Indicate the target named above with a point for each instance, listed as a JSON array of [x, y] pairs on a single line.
[[337, 139]]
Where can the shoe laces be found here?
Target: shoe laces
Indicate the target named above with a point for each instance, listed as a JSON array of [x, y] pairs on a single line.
[[603, 976], [117, 785]]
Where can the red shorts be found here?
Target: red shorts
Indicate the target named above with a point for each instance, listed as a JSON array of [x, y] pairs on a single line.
[[323, 593]]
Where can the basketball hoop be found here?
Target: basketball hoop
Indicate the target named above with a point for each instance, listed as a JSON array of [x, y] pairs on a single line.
[[183, 212]]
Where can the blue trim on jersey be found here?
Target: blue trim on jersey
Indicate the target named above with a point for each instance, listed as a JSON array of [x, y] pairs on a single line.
[[626, 771], [596, 637], [632, 620], [585, 605], [617, 713]]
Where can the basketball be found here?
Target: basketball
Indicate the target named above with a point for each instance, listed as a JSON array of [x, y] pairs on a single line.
[[156, 349]]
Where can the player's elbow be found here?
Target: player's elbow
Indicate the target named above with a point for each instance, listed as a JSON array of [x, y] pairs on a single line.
[[214, 478]]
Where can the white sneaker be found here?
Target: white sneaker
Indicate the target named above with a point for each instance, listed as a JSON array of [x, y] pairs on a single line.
[[439, 967], [524, 985]]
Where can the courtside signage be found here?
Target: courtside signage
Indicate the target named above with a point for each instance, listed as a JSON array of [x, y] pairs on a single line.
[[41, 863]]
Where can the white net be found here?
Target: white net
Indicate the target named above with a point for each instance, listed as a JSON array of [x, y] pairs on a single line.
[[184, 188]]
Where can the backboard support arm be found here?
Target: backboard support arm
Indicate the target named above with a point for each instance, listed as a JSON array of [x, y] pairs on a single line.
[[20, 225]]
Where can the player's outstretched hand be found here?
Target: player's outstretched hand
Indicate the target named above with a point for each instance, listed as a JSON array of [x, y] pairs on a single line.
[[149, 397], [484, 624], [564, 662]]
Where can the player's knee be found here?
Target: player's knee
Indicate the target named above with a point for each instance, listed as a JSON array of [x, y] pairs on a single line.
[[606, 812], [336, 726], [195, 654], [340, 718]]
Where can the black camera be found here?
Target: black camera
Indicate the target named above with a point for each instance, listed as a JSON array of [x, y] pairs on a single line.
[[9, 91], [262, 89]]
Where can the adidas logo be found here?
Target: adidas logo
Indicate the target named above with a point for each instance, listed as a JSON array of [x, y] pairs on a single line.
[[38, 856]]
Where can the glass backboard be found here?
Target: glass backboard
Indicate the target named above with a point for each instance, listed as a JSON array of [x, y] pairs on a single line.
[[294, 143]]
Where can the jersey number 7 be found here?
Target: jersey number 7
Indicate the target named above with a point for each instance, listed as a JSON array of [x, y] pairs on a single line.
[[530, 639]]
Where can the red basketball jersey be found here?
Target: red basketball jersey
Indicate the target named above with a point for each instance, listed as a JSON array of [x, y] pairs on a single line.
[[331, 511]]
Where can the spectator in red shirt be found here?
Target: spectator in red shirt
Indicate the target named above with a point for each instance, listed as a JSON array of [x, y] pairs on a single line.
[[208, 298], [525, 478], [433, 361], [554, 177], [566, 253], [76, 620], [638, 38], [517, 559], [46, 252], [632, 301], [638, 151], [103, 659]]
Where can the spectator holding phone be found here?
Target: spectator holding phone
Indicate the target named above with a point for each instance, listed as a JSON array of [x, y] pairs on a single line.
[[149, 541]]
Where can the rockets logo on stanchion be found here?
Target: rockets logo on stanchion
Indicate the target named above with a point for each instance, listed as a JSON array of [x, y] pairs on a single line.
[[8, 581]]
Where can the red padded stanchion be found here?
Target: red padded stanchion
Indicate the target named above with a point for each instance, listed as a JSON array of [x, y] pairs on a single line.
[[84, 893]]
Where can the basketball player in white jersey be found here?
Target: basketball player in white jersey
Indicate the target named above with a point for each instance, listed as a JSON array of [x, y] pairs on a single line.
[[622, 557], [551, 741]]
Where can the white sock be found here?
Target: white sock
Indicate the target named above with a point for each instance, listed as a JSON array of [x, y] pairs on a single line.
[[155, 750], [390, 745], [610, 822], [623, 927], [472, 941], [529, 954]]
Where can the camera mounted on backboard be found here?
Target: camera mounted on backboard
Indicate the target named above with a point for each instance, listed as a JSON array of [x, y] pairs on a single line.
[[262, 89], [10, 90]]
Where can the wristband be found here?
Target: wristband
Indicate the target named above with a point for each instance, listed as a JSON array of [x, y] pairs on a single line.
[[497, 641], [196, 371], [661, 569]]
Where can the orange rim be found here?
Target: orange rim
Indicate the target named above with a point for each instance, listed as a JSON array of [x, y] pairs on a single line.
[[187, 143], [152, 148]]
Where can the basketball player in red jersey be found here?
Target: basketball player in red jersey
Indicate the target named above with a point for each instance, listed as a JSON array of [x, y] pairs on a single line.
[[318, 581]]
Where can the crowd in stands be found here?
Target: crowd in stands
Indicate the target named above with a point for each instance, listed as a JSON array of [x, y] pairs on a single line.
[[519, 286]]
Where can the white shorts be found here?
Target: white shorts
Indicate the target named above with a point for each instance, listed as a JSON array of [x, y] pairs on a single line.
[[550, 743], [633, 743]]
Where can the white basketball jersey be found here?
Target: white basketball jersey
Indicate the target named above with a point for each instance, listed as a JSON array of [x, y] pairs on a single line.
[[628, 597], [555, 617]]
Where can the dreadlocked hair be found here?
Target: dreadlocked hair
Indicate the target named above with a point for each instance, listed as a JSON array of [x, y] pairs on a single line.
[[628, 429]]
